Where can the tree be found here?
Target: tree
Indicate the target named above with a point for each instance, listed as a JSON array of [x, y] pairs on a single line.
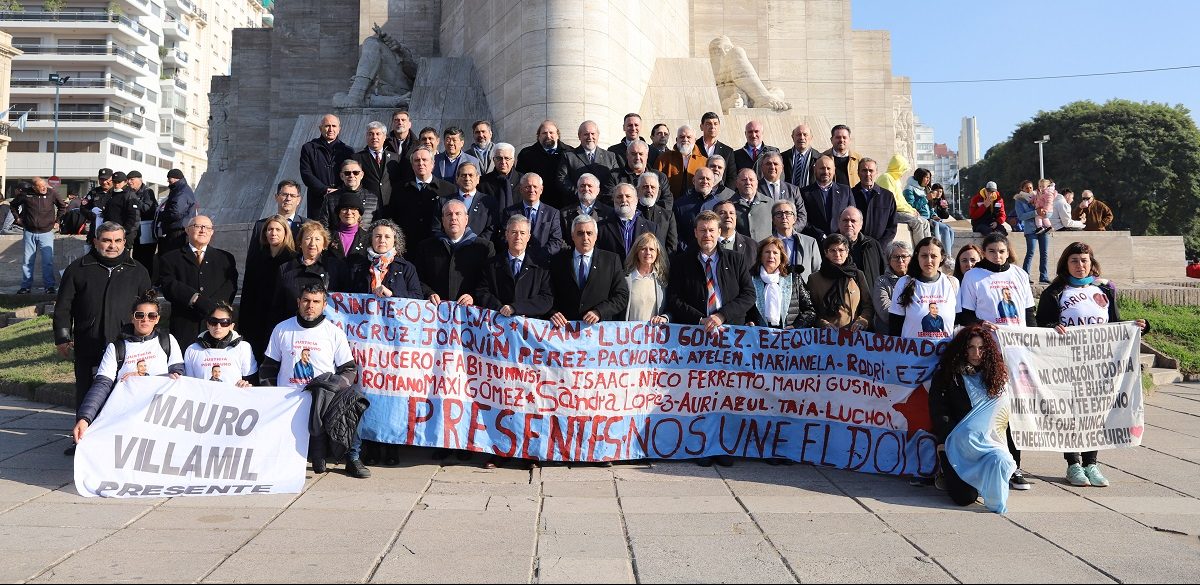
[[1142, 159]]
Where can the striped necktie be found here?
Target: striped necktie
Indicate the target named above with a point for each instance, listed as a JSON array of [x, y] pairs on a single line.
[[711, 284]]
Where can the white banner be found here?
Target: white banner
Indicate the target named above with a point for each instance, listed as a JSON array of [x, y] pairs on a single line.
[[1081, 391], [159, 437]]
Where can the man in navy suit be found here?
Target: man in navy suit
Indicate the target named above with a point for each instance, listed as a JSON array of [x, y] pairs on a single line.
[[747, 156], [481, 208], [824, 200], [588, 284], [514, 283], [771, 183], [382, 174], [545, 222], [622, 228], [798, 160], [502, 183], [542, 157], [710, 145]]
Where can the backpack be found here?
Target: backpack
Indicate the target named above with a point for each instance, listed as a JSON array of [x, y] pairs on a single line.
[[163, 340], [73, 222]]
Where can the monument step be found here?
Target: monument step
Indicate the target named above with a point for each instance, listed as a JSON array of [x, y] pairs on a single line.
[[1147, 360], [1163, 376]]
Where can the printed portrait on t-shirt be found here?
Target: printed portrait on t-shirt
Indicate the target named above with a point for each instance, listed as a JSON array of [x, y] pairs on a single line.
[[1006, 309], [932, 322], [141, 368], [303, 370], [215, 374]]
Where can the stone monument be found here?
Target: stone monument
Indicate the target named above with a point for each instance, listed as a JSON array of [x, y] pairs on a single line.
[[518, 62]]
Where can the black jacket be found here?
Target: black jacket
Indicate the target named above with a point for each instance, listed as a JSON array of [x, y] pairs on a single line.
[[1049, 310], [257, 310], [605, 291], [574, 164], [294, 275], [336, 411], [528, 294], [358, 246], [823, 216], [948, 402], [401, 277], [38, 213], [179, 278], [481, 217], [174, 212], [545, 236], [320, 162], [94, 301], [505, 189], [124, 207], [666, 199], [868, 256], [535, 159], [726, 153], [879, 212], [664, 226], [412, 208], [611, 235], [451, 271], [148, 201], [687, 296], [382, 178]]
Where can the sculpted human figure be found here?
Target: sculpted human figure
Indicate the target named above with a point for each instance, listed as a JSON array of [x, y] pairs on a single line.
[[384, 77], [738, 83]]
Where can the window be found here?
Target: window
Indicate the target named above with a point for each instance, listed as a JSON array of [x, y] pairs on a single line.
[[79, 147], [19, 108], [136, 156], [24, 146], [151, 160], [164, 164], [118, 150]]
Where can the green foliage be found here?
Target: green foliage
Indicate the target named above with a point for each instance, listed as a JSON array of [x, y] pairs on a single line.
[[54, 5], [11, 5], [1174, 330], [1142, 159]]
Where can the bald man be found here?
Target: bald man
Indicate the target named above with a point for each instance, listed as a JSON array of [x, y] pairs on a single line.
[[798, 160], [589, 157], [746, 157], [320, 160], [195, 277]]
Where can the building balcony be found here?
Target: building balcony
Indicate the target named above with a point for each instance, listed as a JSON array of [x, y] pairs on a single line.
[[131, 125], [174, 57], [135, 7], [171, 83], [183, 6], [126, 28], [174, 29], [84, 87], [124, 59]]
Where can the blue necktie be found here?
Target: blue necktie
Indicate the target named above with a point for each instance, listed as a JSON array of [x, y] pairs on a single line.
[[582, 276], [516, 266]]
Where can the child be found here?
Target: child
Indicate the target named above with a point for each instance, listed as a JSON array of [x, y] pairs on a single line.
[[1043, 202]]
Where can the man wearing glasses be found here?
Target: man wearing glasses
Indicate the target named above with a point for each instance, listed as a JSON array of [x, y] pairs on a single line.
[[803, 251], [287, 204], [93, 303], [352, 184], [195, 277]]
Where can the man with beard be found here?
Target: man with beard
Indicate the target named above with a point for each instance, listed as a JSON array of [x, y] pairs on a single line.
[[543, 157], [681, 164], [667, 231], [618, 233]]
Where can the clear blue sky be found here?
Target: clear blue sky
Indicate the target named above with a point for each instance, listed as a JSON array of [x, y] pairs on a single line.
[[936, 40]]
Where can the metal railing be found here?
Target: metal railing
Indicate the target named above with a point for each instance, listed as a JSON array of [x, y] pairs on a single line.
[[135, 89], [131, 120], [95, 50]]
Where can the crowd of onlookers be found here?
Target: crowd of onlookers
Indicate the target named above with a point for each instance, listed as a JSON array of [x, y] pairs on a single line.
[[696, 233]]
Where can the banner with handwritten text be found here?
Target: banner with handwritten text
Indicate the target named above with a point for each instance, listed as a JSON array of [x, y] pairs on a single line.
[[1081, 391], [465, 378]]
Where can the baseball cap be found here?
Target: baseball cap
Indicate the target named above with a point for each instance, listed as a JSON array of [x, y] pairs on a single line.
[[991, 186], [104, 174]]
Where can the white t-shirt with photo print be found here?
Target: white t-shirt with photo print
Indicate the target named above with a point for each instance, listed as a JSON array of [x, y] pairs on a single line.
[[998, 297], [304, 353]]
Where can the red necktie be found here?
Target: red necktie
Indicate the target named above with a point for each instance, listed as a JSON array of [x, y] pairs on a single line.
[[710, 278]]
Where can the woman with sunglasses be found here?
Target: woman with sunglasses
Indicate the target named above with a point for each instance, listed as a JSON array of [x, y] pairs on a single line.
[[220, 354], [140, 350]]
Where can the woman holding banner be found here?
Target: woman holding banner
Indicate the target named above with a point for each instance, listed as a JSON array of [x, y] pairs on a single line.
[[140, 350], [967, 404], [220, 354], [781, 301], [996, 292], [1078, 296], [923, 304], [840, 293], [646, 275]]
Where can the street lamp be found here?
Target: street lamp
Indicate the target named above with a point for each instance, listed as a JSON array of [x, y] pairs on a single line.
[[58, 83], [1041, 163]]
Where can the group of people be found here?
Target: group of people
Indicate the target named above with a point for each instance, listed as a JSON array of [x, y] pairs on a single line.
[[701, 234]]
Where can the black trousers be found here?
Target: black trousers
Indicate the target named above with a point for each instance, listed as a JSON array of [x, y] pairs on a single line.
[[1089, 458], [85, 372], [1012, 447], [960, 491]]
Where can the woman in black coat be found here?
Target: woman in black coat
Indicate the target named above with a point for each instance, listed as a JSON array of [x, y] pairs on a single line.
[[314, 263], [274, 248], [382, 270]]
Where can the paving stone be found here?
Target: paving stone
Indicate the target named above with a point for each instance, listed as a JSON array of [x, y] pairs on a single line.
[[820, 523], [988, 567], [90, 515], [847, 569], [579, 489], [699, 487], [266, 567], [1151, 567], [580, 505], [681, 504], [371, 520], [176, 541], [811, 504], [730, 558], [451, 566], [440, 502], [596, 523], [482, 489], [732, 523], [132, 565], [206, 518], [584, 570], [30, 563], [34, 538], [583, 546], [468, 543], [465, 520], [344, 539], [267, 501], [795, 547]]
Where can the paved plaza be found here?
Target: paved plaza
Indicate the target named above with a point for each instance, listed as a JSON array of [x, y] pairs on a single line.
[[657, 522]]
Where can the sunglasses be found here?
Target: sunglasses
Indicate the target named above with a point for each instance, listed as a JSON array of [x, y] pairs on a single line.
[[143, 315], [351, 173], [226, 322]]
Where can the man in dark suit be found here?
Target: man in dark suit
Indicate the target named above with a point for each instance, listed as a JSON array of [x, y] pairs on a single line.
[[193, 278], [452, 263], [589, 158], [730, 239], [632, 125], [618, 233], [381, 171], [772, 184], [588, 284], [798, 160], [802, 253], [865, 250], [545, 222], [502, 183], [418, 199], [401, 140], [709, 145], [746, 157], [878, 205], [514, 283], [691, 299], [320, 160], [482, 213], [667, 230], [543, 157], [702, 196], [287, 200], [636, 165], [824, 200], [587, 190], [660, 142]]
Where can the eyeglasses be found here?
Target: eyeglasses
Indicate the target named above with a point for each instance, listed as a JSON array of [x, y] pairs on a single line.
[[902, 257], [351, 173], [222, 322], [143, 315], [203, 228], [784, 214]]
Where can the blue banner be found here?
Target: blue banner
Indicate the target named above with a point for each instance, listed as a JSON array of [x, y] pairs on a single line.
[[467, 378]]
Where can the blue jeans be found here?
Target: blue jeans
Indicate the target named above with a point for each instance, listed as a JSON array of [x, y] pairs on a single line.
[[945, 233], [1043, 242], [35, 243], [355, 451]]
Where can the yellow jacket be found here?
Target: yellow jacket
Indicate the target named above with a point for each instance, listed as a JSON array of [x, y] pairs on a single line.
[[893, 180]]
